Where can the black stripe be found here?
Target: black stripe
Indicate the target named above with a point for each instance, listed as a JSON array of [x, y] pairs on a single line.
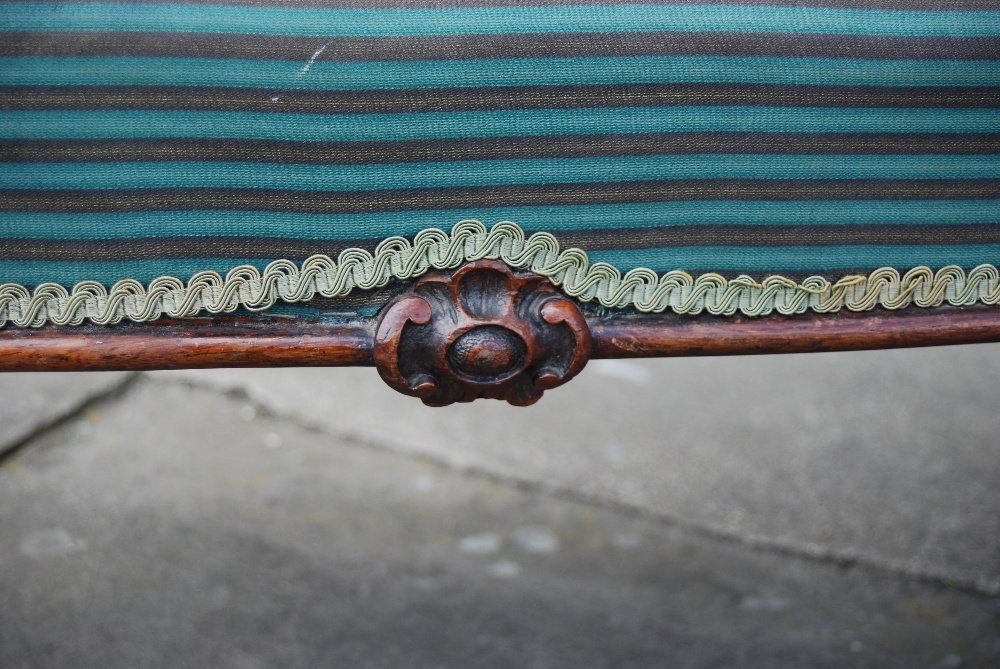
[[482, 46], [912, 5], [163, 248], [174, 247], [482, 197], [424, 100], [492, 148], [776, 235]]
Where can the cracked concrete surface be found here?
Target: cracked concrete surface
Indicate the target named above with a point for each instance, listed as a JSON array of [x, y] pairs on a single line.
[[313, 518], [33, 401], [888, 457]]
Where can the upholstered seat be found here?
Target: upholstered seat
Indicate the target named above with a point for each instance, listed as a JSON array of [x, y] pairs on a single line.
[[316, 157]]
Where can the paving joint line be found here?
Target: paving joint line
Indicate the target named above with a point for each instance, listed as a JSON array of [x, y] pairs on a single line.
[[112, 393], [844, 559]]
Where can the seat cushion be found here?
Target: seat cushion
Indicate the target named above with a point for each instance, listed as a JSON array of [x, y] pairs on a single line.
[[793, 155]]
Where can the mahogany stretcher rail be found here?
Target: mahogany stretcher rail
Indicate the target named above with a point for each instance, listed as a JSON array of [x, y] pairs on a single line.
[[265, 341]]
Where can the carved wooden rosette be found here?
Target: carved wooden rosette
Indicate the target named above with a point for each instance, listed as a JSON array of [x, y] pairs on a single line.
[[481, 331]]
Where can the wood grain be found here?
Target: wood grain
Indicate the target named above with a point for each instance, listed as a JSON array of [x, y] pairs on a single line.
[[270, 342], [187, 344], [662, 335]]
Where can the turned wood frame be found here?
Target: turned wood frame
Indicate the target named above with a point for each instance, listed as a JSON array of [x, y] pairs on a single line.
[[483, 330]]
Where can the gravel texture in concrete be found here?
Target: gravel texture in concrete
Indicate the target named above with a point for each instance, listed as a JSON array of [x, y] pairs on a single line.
[[177, 527], [890, 457]]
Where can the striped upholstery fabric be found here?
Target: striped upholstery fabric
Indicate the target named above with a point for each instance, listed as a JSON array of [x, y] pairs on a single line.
[[782, 137]]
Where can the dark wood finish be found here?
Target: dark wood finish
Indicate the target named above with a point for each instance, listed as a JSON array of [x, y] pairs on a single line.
[[481, 331], [265, 341], [661, 335], [186, 344]]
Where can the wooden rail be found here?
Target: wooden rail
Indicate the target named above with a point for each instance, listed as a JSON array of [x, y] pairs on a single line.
[[263, 341]]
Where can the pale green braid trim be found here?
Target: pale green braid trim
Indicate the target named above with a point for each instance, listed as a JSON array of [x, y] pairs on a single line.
[[397, 258]]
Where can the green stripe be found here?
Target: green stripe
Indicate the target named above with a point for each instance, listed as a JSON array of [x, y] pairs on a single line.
[[817, 259], [50, 225], [123, 71], [89, 176], [361, 127], [30, 272], [491, 20], [822, 260]]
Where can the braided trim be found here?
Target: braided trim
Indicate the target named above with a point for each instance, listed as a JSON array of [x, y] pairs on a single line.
[[397, 258]]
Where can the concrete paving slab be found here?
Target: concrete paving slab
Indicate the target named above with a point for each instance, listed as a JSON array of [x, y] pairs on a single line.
[[32, 401], [892, 457], [181, 528]]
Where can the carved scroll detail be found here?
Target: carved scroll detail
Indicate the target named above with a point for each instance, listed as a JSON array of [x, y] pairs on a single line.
[[482, 331]]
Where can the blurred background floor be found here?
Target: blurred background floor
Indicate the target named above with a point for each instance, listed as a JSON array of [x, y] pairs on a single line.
[[830, 510]]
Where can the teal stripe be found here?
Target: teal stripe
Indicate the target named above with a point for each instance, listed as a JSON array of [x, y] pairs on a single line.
[[33, 272], [126, 71], [552, 219], [488, 173], [496, 20], [823, 260], [371, 127]]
